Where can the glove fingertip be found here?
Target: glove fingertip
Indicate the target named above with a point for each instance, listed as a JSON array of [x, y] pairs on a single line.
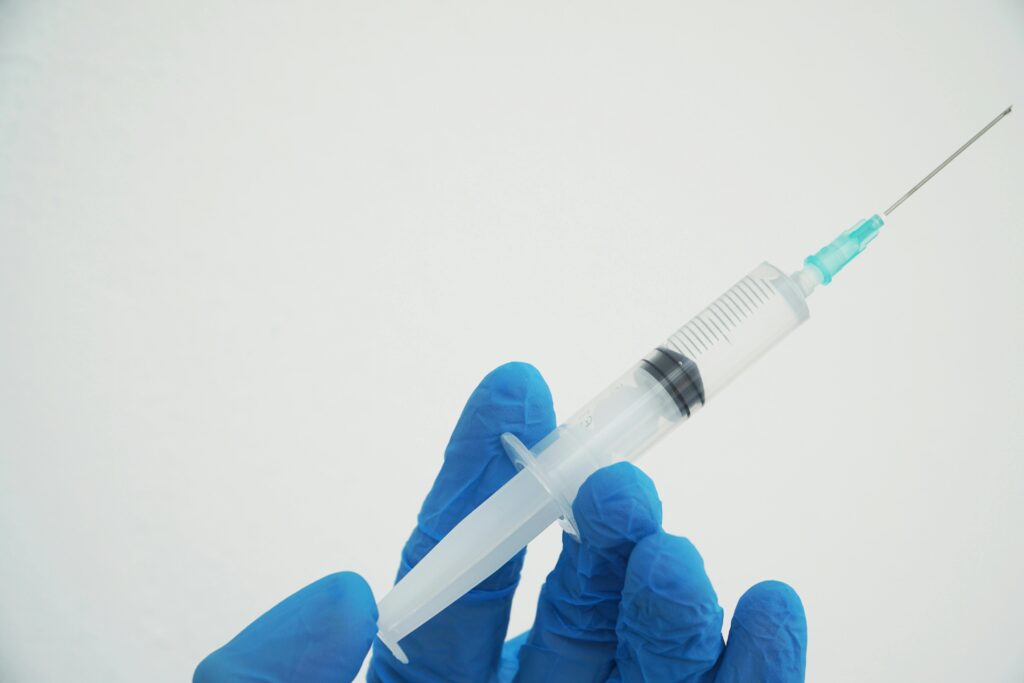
[[666, 573], [768, 637], [316, 634], [769, 607], [670, 627], [518, 396], [339, 616], [347, 593], [617, 505]]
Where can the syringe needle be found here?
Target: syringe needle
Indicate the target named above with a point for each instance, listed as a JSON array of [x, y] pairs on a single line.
[[945, 163]]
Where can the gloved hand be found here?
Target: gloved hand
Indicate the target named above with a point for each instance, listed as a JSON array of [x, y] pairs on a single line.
[[627, 603]]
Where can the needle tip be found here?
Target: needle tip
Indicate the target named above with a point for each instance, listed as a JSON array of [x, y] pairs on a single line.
[[950, 158]]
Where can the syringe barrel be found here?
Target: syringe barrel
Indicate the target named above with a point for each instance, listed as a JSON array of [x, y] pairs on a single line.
[[669, 384], [741, 325], [657, 394]]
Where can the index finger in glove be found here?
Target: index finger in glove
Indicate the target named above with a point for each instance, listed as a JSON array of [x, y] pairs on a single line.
[[463, 642]]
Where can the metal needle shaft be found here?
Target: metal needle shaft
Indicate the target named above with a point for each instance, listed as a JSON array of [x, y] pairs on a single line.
[[945, 163]]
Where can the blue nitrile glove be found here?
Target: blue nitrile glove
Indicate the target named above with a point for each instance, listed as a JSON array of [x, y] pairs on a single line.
[[319, 634], [628, 603]]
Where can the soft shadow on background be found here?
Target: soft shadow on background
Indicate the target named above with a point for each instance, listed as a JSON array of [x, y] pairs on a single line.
[[253, 259]]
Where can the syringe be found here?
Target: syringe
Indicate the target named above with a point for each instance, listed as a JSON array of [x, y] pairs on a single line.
[[654, 396]]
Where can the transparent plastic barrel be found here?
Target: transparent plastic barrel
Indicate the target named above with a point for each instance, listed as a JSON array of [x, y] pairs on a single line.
[[739, 326], [663, 390]]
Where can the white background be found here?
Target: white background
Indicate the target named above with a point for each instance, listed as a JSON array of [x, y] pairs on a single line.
[[255, 256]]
